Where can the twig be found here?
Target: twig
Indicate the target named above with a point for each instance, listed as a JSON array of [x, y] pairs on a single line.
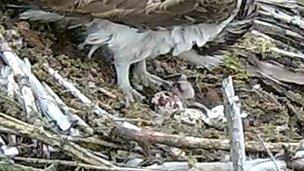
[[77, 164], [121, 123], [148, 136], [69, 86], [268, 152], [162, 138], [292, 52], [96, 141], [9, 86], [18, 85], [80, 122], [8, 165], [257, 164], [89, 140], [282, 20], [32, 87], [182, 166], [53, 140]]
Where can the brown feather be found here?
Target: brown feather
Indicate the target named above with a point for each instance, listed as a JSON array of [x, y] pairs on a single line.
[[146, 13]]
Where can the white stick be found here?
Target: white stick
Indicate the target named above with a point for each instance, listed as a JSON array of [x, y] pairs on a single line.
[[68, 112], [46, 102], [233, 114], [96, 109], [253, 165]]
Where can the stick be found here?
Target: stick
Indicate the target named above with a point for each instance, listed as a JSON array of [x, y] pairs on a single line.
[[181, 166], [268, 152], [22, 70], [233, 114], [67, 111], [143, 135], [257, 164], [76, 164], [53, 140]]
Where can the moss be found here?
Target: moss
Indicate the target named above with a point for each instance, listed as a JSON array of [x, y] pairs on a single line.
[[255, 44], [233, 65]]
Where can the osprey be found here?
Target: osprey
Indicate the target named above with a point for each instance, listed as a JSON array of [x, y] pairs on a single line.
[[134, 30]]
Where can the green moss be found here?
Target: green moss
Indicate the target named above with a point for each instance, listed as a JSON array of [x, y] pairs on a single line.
[[256, 44], [233, 65]]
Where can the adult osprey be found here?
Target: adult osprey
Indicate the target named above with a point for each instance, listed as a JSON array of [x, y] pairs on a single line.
[[134, 30]]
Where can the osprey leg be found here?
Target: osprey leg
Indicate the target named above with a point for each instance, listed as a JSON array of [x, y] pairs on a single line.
[[123, 81]]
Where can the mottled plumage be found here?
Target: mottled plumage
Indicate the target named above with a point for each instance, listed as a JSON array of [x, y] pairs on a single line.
[[146, 13], [134, 30]]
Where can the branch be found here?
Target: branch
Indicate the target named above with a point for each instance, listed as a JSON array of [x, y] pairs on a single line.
[[76, 164], [30, 86], [233, 115], [148, 136], [53, 140]]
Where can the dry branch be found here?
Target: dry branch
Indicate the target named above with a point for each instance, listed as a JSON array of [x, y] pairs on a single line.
[[282, 20], [233, 115], [9, 165], [80, 122], [269, 153], [151, 137], [76, 164], [53, 140], [254, 165], [31, 86], [167, 166]]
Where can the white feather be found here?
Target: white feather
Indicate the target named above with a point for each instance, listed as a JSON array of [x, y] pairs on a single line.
[[129, 45]]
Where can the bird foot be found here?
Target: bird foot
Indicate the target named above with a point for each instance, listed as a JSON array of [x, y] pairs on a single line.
[[209, 61], [150, 80], [133, 96]]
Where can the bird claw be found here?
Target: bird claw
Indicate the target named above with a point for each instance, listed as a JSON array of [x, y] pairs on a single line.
[[210, 62], [150, 80], [133, 96]]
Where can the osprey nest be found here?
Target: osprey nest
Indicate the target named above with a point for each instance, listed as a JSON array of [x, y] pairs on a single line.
[[168, 85]]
